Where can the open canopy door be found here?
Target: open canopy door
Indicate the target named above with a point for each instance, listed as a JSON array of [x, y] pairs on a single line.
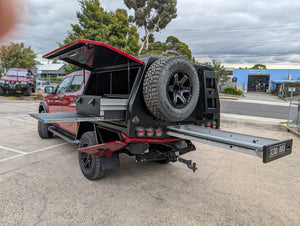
[[93, 55]]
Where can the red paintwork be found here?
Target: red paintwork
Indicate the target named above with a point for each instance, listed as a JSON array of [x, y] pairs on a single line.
[[84, 41], [108, 147], [16, 78], [117, 145], [67, 104], [138, 140]]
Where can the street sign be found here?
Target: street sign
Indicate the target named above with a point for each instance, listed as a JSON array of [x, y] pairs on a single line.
[[292, 89]]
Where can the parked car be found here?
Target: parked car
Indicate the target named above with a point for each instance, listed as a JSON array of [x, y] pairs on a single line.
[[17, 79], [40, 85]]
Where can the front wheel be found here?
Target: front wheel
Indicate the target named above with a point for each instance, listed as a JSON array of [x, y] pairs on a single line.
[[90, 165], [28, 91], [2, 91]]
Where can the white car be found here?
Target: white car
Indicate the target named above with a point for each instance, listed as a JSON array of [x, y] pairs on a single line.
[[40, 85]]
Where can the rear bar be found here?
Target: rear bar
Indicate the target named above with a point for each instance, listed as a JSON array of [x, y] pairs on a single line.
[[265, 148]]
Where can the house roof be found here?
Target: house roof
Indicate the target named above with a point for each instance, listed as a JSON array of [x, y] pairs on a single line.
[[51, 67]]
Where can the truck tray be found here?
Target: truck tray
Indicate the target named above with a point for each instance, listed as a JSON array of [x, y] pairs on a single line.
[[64, 117], [265, 148]]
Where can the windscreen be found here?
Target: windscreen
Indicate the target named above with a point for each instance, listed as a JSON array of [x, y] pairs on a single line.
[[17, 73]]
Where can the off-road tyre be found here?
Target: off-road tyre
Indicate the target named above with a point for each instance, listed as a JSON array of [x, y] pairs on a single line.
[[28, 91], [2, 91], [171, 88], [90, 165], [43, 129]]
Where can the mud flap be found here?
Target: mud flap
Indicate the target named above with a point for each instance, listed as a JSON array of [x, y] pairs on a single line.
[[109, 162]]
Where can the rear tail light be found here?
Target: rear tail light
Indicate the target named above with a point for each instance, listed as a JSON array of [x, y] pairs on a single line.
[[140, 132], [149, 132], [208, 125], [158, 132], [214, 125]]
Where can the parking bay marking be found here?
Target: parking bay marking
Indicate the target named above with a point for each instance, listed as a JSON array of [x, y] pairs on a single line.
[[22, 120], [22, 153]]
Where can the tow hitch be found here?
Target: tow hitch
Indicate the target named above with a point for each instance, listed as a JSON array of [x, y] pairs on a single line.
[[191, 165]]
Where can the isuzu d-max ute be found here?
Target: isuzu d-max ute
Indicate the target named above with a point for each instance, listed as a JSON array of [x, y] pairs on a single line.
[[149, 108], [17, 79]]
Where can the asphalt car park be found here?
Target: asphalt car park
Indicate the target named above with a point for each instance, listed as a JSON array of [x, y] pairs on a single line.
[[41, 182]]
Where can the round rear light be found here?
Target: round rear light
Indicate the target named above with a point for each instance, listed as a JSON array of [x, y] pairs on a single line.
[[149, 132], [158, 132], [140, 132]]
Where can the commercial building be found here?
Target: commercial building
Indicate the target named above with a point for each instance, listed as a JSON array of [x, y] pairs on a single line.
[[264, 80]]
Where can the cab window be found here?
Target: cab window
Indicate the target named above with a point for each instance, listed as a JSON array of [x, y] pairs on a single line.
[[63, 86], [76, 83]]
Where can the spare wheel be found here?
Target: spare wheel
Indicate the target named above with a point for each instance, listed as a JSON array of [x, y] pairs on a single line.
[[171, 88]]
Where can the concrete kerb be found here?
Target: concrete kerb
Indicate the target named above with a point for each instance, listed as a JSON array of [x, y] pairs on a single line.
[[291, 130]]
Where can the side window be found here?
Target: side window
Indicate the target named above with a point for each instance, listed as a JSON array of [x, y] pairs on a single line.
[[63, 86], [76, 83]]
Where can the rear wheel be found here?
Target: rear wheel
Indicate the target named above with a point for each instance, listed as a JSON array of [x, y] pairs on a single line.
[[43, 129], [90, 165]]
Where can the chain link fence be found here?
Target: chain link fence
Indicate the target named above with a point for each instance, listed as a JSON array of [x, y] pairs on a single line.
[[294, 112]]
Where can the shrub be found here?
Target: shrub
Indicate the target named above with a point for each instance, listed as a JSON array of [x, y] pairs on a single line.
[[53, 79], [232, 91]]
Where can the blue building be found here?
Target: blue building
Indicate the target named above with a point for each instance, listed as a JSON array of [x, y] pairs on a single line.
[[264, 79]]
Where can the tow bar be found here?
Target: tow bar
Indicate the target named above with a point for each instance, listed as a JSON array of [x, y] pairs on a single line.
[[191, 165]]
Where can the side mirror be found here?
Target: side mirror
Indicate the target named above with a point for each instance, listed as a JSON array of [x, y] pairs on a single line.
[[49, 89]]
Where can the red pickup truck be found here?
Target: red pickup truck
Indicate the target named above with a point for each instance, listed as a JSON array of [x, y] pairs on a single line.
[[17, 79], [151, 108]]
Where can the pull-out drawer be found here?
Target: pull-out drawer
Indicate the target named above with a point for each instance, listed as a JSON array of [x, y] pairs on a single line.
[[106, 108]]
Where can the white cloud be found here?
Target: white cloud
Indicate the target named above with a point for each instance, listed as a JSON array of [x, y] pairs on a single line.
[[233, 31]]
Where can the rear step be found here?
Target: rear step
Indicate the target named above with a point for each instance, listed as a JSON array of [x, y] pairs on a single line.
[[63, 135], [265, 148]]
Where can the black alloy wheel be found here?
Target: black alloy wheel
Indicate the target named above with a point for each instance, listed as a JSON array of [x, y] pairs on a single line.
[[90, 165], [179, 89]]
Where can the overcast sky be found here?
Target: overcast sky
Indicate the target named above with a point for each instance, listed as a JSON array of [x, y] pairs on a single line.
[[236, 32]]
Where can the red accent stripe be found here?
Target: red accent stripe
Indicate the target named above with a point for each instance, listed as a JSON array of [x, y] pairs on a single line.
[[94, 43], [107, 147]]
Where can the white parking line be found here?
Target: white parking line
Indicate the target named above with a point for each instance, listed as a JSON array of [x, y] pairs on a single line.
[[43, 149], [27, 153], [22, 120], [14, 150]]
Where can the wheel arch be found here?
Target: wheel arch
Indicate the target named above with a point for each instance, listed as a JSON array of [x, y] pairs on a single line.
[[43, 106], [84, 127]]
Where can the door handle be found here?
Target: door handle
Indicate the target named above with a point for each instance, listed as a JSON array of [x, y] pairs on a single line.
[[61, 99]]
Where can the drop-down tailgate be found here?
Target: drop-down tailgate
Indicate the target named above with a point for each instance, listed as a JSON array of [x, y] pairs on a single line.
[[265, 148]]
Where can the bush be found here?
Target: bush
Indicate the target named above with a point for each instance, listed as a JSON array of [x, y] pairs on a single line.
[[291, 84], [53, 79], [232, 91]]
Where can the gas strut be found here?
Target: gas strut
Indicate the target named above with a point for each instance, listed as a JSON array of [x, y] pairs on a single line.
[[189, 163]]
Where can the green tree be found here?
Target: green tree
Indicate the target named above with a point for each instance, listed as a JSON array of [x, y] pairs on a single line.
[[221, 72], [172, 46], [152, 15], [95, 23], [259, 66], [17, 55]]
